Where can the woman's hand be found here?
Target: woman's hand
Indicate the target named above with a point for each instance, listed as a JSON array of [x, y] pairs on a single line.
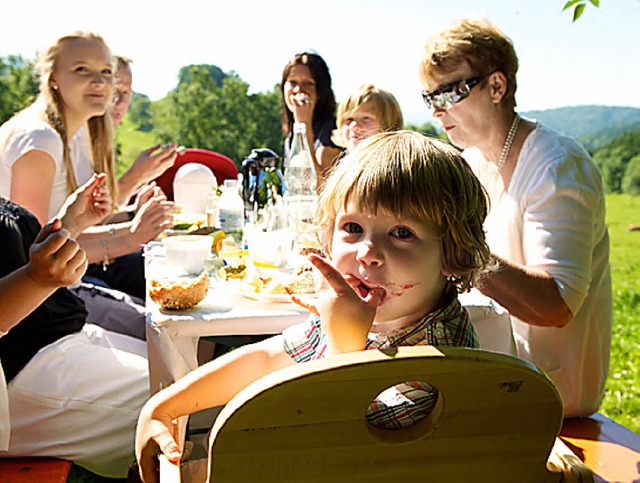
[[302, 108], [87, 206], [346, 316], [154, 161], [154, 434], [145, 193], [149, 164], [56, 259], [152, 218]]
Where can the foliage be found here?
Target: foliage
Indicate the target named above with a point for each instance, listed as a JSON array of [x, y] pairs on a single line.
[[18, 85], [631, 179], [190, 73], [223, 117], [581, 121], [600, 138], [579, 6], [140, 112], [429, 129], [614, 160]]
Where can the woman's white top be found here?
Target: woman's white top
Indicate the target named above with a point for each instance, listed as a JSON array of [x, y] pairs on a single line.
[[28, 131], [552, 218]]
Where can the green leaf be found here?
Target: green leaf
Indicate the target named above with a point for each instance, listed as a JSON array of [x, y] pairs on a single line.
[[595, 2], [570, 4], [578, 11]]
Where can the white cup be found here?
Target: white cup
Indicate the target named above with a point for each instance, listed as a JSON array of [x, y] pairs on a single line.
[[270, 248], [188, 252]]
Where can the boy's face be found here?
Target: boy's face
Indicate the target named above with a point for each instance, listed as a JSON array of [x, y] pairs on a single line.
[[401, 256], [360, 124]]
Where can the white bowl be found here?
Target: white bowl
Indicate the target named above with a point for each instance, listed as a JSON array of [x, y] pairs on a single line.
[[188, 252]]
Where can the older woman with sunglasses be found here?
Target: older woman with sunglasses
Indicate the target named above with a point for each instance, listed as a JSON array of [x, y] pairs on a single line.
[[546, 227]]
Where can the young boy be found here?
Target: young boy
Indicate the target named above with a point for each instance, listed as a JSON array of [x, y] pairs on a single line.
[[368, 111], [402, 224]]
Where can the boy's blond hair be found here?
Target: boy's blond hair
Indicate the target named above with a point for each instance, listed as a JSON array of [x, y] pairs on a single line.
[[382, 103], [479, 43], [407, 174]]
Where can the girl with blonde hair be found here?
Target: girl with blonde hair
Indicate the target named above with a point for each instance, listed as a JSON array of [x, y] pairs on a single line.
[[369, 110], [44, 154]]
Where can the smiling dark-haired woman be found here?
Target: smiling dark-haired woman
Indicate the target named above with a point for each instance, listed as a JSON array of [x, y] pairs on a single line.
[[546, 227], [307, 97]]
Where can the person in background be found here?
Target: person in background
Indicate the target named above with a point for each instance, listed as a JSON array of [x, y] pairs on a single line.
[[369, 110], [307, 97], [546, 227], [151, 162], [401, 219], [74, 390]]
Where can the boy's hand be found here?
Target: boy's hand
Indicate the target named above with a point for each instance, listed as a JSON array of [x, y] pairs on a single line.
[[154, 434], [346, 316], [56, 259]]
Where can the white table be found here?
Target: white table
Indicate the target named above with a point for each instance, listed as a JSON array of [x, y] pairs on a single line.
[[172, 336]]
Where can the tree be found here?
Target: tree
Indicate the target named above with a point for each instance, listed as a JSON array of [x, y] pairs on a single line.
[[266, 114], [631, 179], [614, 158], [140, 112], [220, 116], [18, 85]]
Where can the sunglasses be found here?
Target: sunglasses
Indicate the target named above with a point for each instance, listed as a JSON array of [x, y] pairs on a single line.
[[444, 97]]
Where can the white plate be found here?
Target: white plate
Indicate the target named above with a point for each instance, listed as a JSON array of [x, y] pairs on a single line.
[[271, 298]]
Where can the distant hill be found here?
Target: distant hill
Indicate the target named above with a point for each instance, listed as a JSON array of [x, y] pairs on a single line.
[[594, 126]]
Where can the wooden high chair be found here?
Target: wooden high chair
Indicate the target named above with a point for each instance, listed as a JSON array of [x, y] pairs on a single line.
[[496, 420]]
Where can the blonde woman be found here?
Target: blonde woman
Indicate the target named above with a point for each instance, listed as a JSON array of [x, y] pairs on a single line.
[[43, 159]]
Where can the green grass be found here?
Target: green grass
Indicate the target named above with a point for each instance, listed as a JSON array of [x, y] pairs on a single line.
[[131, 142], [622, 398]]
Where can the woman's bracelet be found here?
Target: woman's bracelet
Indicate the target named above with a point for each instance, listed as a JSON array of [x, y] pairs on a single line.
[[111, 230]]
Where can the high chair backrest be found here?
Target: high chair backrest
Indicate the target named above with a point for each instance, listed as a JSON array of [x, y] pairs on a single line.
[[221, 166], [496, 419]]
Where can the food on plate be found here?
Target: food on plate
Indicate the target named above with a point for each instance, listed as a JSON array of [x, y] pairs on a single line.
[[276, 282], [180, 293], [237, 271], [302, 281], [189, 221]]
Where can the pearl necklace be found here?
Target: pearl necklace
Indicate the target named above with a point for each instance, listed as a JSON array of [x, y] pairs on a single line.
[[507, 143]]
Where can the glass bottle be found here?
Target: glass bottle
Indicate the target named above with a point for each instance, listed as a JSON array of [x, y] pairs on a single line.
[[300, 196]]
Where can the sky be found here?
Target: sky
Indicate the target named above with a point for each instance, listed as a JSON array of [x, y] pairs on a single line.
[[592, 61]]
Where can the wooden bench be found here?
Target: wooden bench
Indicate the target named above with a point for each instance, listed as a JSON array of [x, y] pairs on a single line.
[[609, 450], [37, 470]]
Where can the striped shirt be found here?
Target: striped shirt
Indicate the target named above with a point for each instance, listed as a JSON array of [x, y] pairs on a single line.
[[407, 403]]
